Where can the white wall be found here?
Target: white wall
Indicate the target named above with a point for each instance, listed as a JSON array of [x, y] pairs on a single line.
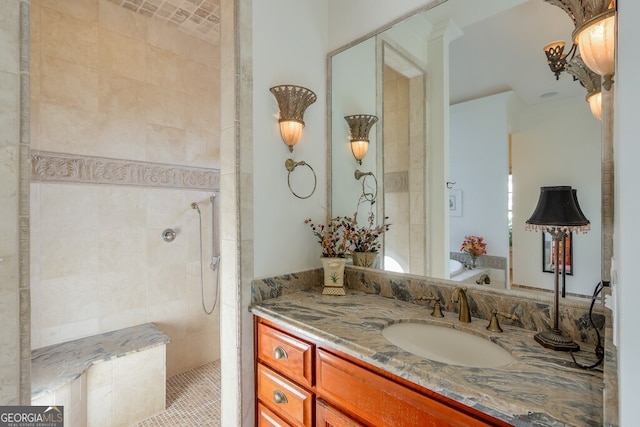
[[627, 205], [478, 156], [288, 48], [354, 92], [556, 143]]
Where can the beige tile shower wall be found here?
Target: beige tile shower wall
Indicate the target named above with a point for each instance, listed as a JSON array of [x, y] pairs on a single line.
[[9, 252], [109, 82], [113, 83]]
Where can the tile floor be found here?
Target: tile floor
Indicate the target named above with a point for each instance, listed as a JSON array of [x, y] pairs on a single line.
[[193, 399]]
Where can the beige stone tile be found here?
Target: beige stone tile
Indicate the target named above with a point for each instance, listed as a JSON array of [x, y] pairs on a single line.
[[164, 68], [66, 255], [120, 137], [68, 84], [123, 318], [99, 394], [66, 129], [203, 148], [171, 40], [9, 37], [201, 110], [9, 117], [118, 19], [168, 145], [58, 333], [67, 208], [122, 55], [122, 97], [53, 302], [69, 38], [164, 106], [86, 10], [121, 208], [8, 200]]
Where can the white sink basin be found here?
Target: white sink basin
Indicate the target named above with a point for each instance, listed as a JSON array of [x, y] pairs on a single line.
[[447, 345]]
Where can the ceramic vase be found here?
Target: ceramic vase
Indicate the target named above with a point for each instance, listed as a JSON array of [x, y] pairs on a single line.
[[333, 276], [364, 259]]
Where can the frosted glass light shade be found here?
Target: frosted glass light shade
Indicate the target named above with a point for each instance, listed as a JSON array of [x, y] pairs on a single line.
[[596, 39], [291, 131], [595, 103], [359, 147]]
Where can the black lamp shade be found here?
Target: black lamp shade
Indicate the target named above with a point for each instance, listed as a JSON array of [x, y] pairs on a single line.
[[558, 207]]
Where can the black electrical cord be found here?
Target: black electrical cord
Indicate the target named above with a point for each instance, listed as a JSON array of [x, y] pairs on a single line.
[[599, 348]]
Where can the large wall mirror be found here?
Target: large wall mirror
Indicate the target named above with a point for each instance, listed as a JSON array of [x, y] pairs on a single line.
[[471, 124]]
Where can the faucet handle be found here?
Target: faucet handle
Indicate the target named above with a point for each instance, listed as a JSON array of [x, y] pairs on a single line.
[[494, 325], [437, 307]]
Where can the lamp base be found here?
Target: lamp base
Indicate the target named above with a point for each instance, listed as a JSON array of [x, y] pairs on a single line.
[[554, 340]]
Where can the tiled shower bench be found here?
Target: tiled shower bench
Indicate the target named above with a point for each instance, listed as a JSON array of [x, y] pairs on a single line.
[[110, 379]]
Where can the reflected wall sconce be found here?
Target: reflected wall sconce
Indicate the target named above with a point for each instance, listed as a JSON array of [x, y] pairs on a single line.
[[359, 127], [292, 101], [590, 81], [558, 213], [594, 35]]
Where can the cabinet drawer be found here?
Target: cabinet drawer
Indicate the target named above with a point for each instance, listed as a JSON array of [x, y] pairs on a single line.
[[326, 416], [380, 401], [288, 400], [286, 354], [267, 418]]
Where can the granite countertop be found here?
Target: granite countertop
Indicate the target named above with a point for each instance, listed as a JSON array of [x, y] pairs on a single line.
[[542, 388], [58, 364]]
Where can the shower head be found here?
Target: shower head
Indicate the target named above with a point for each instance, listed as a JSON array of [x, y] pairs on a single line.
[[195, 206]]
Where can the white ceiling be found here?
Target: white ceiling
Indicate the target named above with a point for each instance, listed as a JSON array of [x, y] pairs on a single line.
[[504, 52]]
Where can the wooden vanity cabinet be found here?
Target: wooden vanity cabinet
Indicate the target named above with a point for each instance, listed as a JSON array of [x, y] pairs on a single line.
[[284, 378], [299, 383]]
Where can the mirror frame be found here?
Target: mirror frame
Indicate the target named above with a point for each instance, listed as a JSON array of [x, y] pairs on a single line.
[[607, 159]]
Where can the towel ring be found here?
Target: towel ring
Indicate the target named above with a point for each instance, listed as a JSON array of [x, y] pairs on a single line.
[[291, 165], [370, 197]]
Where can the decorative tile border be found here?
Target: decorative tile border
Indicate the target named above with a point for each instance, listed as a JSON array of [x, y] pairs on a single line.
[[396, 182], [57, 167]]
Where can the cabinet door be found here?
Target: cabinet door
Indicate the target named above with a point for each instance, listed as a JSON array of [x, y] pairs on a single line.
[[327, 416], [267, 418], [380, 401]]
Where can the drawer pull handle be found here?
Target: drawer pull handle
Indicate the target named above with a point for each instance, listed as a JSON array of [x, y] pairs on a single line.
[[279, 352], [279, 397]]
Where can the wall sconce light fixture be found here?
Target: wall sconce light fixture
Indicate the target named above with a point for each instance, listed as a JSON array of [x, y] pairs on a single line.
[[596, 39], [594, 35], [590, 81], [557, 213], [292, 101], [359, 127]]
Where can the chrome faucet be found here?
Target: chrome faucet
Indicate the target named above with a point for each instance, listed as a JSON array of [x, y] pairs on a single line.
[[460, 295]]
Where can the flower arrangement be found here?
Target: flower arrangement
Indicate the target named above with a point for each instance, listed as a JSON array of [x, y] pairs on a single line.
[[331, 236], [474, 246], [364, 238]]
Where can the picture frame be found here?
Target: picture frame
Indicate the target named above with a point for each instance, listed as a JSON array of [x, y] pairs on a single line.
[[547, 253], [455, 202]]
